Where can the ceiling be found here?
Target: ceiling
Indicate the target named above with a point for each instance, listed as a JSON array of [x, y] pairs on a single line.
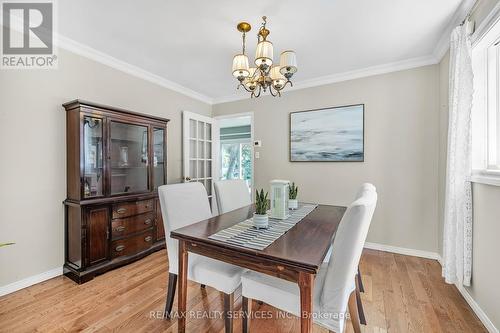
[[192, 42]]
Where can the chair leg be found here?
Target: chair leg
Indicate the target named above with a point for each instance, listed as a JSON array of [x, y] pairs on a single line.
[[172, 284], [353, 312], [228, 309], [246, 308], [359, 303], [360, 282]]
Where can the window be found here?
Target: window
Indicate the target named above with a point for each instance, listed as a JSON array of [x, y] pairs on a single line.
[[236, 160], [236, 149], [486, 106]]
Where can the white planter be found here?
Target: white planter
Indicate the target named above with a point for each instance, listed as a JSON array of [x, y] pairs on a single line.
[[293, 203], [260, 221]]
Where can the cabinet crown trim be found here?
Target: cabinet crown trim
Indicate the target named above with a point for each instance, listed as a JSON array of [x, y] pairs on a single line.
[[79, 102]]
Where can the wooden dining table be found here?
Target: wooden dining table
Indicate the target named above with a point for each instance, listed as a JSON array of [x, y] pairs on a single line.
[[296, 256]]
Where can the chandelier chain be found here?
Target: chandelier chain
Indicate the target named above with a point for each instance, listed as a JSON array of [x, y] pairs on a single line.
[[244, 37]]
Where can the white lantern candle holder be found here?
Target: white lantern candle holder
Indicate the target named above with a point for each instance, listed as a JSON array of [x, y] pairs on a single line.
[[279, 199]]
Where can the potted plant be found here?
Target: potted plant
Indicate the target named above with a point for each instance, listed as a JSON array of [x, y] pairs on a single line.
[[5, 244], [292, 197], [260, 218]]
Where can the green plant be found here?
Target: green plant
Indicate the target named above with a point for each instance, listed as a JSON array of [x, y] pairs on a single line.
[[294, 190], [261, 202], [5, 244]]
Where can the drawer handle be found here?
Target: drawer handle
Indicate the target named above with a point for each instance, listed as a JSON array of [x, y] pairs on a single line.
[[148, 238], [121, 210], [147, 222], [119, 248], [120, 228]]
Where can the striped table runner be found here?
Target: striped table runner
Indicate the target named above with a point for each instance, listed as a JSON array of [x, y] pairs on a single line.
[[246, 235]]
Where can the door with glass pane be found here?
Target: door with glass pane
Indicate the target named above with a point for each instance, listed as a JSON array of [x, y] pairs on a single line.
[[93, 146], [198, 151], [128, 153]]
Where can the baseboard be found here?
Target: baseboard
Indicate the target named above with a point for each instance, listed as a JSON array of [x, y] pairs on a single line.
[[431, 255], [474, 306], [477, 309], [402, 250], [29, 281]]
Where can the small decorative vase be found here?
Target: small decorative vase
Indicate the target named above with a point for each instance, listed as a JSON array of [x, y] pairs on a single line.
[[123, 157], [293, 203], [260, 221]]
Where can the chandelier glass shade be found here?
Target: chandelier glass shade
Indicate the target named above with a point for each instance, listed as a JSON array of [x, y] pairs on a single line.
[[264, 76]]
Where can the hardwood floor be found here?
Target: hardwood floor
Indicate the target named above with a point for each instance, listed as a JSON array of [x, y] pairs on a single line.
[[402, 294]]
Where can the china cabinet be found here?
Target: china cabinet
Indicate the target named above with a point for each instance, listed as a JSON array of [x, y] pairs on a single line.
[[116, 160]]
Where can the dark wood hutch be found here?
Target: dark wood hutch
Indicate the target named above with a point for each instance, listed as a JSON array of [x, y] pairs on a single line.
[[116, 160]]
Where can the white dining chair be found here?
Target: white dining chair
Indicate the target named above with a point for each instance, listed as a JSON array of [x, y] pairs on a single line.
[[334, 289], [182, 205], [359, 279], [231, 194]]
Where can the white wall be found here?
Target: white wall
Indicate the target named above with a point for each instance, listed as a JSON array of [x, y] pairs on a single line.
[[33, 150], [486, 248], [401, 150]]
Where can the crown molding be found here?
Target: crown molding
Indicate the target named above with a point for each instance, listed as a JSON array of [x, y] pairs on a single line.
[[460, 14], [438, 53], [86, 51], [103, 58], [346, 76]]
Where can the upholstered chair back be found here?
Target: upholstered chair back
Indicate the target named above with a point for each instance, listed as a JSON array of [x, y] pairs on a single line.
[[181, 205], [231, 194], [346, 251], [363, 188]]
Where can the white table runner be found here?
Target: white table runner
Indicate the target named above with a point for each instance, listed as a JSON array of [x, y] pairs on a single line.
[[246, 235]]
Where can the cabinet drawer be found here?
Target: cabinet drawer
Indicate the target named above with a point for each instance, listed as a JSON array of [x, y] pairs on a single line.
[[131, 245], [132, 208], [130, 225]]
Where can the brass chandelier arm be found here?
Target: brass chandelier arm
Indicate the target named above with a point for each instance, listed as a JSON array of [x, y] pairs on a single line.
[[258, 94], [244, 87], [276, 91]]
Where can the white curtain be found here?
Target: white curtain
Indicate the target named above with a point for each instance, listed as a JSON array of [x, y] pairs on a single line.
[[457, 242]]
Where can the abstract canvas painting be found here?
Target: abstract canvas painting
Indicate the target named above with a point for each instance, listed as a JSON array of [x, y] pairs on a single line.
[[333, 134]]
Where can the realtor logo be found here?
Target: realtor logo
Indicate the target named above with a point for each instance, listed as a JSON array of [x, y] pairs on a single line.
[[28, 35]]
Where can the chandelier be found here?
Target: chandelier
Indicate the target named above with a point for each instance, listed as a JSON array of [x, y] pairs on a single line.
[[265, 75]]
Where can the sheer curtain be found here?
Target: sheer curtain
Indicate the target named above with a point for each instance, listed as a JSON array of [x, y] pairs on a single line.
[[457, 242]]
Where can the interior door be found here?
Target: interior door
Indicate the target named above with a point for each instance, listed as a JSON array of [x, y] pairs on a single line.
[[199, 152]]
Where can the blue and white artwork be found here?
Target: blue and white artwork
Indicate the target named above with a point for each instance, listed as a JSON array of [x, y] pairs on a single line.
[[328, 135]]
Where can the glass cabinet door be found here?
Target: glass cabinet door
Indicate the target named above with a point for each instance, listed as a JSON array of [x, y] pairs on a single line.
[[129, 158], [92, 157], [158, 157]]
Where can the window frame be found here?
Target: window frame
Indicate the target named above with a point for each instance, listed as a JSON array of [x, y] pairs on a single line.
[[486, 106]]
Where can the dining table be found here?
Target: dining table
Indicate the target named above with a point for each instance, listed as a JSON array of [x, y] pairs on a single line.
[[295, 256]]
